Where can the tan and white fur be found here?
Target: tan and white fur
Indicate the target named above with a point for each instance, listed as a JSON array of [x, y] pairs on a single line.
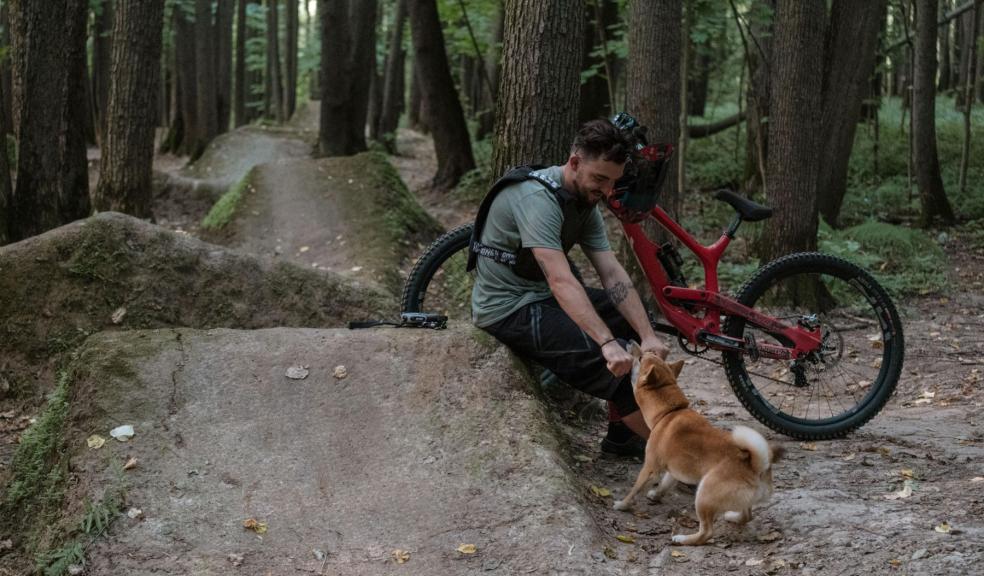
[[732, 471]]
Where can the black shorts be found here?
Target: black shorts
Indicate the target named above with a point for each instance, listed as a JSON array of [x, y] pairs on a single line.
[[543, 332]]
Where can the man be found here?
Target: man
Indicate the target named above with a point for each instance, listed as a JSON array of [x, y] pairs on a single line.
[[528, 297]]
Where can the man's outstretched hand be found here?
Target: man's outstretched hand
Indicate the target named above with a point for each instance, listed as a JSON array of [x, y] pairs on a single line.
[[619, 361], [656, 346]]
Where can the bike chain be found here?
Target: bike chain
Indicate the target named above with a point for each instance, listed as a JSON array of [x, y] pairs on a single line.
[[701, 354]]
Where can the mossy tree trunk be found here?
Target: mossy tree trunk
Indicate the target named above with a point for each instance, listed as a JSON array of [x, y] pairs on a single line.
[[128, 150], [48, 58], [444, 115], [932, 196], [537, 109], [794, 127]]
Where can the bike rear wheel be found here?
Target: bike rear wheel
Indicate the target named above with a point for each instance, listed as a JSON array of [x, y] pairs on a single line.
[[438, 282], [849, 379]]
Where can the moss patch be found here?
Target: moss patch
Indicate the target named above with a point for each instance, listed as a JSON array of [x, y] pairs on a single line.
[[223, 210]]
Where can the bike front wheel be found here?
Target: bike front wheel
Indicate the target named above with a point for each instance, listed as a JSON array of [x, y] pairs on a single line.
[[438, 282], [848, 380]]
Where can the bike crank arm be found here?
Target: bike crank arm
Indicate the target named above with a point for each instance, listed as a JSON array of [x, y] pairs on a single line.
[[748, 346]]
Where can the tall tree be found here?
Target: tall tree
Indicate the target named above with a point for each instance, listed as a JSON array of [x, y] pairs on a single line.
[[486, 121], [205, 78], [346, 34], [274, 82], [6, 191], [794, 127], [945, 66], [653, 83], [757, 39], [6, 83], [393, 84], [239, 99], [102, 54], [927, 163], [537, 109], [849, 61], [128, 151], [444, 117], [290, 58], [48, 58], [597, 90], [183, 136], [225, 9], [415, 108]]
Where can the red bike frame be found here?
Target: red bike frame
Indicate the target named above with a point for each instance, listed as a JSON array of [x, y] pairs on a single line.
[[706, 330]]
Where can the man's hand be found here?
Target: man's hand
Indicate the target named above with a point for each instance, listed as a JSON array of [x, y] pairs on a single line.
[[619, 361], [655, 345]]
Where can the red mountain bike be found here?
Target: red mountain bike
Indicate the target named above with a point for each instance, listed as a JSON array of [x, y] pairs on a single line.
[[811, 344]]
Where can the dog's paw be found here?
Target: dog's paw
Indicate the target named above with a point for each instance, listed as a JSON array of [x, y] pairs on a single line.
[[736, 517], [621, 505], [654, 495], [681, 539]]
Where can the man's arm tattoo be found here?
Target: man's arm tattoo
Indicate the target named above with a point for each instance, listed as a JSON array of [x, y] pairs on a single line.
[[543, 266], [618, 292]]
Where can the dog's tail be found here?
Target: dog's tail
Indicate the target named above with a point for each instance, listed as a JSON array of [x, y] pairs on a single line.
[[755, 444]]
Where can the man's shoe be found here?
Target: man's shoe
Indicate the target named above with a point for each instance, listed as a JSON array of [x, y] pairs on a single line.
[[621, 441]]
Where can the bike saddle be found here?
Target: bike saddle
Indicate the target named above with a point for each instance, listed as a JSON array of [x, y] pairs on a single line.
[[750, 211]]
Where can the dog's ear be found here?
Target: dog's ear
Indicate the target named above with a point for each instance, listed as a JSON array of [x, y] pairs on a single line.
[[676, 367], [777, 452], [635, 350]]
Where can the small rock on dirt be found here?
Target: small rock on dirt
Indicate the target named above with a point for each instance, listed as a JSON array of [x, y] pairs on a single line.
[[297, 372]]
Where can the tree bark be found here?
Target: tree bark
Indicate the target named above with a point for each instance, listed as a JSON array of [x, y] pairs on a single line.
[[205, 78], [362, 15], [393, 85], [698, 80], [187, 78], [758, 48], [48, 59], [102, 50], [537, 111], [980, 58], [927, 164], [6, 189], [6, 82], [241, 89], [223, 63], [849, 61], [415, 114], [968, 98], [794, 127], [653, 87], [128, 153], [290, 59], [486, 121], [274, 81], [945, 66]]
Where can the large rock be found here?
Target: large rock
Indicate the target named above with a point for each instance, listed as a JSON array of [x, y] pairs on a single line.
[[403, 453]]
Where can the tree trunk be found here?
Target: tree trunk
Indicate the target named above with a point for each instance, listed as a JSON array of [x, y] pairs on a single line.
[[48, 59], [128, 153], [205, 78], [927, 164], [86, 118], [415, 115], [347, 33], [653, 87], [849, 61], [290, 59], [187, 78], [758, 50], [945, 66], [968, 98], [537, 111], [6, 190], [980, 58], [274, 80], [699, 79], [393, 85], [486, 121], [6, 83], [102, 50], [376, 84], [794, 127], [444, 117], [239, 106], [223, 63]]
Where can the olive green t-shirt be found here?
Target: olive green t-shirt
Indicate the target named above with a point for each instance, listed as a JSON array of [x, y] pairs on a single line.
[[526, 214]]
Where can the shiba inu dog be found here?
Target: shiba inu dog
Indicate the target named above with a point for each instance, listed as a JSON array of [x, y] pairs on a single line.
[[732, 470]]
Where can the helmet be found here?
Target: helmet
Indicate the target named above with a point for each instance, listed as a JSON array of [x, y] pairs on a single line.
[[636, 191]]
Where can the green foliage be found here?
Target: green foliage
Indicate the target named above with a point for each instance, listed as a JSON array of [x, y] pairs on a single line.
[[57, 562], [482, 15]]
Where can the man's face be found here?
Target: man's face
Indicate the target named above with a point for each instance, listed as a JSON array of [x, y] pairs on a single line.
[[594, 179]]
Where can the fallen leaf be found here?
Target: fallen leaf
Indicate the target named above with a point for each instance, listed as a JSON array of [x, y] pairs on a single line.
[[95, 441], [134, 513], [118, 315], [254, 525], [602, 492], [467, 548], [610, 552], [304, 249], [340, 372], [131, 463], [297, 372], [811, 446], [236, 559], [753, 562], [356, 268], [848, 457], [943, 528], [625, 538], [122, 433], [884, 451], [905, 492], [677, 554], [906, 472], [401, 556], [895, 563], [977, 479], [770, 537], [582, 458]]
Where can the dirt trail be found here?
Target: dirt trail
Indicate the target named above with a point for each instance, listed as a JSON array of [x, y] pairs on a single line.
[[403, 453]]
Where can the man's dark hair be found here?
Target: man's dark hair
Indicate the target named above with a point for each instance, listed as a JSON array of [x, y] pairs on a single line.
[[601, 139]]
